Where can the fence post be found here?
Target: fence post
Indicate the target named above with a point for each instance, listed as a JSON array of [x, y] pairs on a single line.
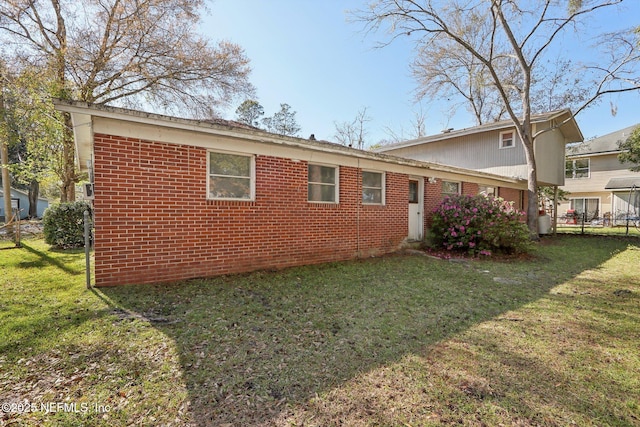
[[584, 219]]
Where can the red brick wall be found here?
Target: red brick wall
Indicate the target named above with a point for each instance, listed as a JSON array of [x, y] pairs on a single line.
[[154, 223], [433, 196], [519, 197], [470, 189]]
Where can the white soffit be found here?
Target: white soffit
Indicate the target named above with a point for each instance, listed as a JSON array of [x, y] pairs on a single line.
[[88, 120]]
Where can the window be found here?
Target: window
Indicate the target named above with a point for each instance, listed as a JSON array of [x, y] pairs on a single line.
[[323, 184], [231, 176], [413, 191], [590, 206], [507, 139], [487, 191], [372, 188], [578, 168], [450, 188]]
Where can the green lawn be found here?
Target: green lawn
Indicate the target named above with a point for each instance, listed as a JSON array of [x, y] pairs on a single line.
[[402, 340], [599, 231]]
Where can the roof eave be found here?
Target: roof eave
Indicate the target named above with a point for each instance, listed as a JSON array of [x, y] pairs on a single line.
[[568, 126], [82, 116]]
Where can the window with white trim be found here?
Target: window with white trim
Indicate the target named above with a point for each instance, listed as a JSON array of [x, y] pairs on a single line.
[[323, 183], [450, 188], [507, 139], [588, 205], [372, 188], [486, 190], [578, 168], [231, 176]]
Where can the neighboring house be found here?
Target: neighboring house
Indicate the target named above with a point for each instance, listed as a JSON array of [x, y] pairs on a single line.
[[598, 183], [496, 147], [20, 200], [177, 199]]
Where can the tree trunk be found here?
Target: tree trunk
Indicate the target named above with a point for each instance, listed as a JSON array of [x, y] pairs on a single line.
[[68, 187], [4, 159], [34, 190], [6, 189], [532, 186], [68, 173]]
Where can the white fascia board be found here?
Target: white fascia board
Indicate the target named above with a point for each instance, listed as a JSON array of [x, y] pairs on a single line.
[[134, 124], [490, 127], [588, 155]]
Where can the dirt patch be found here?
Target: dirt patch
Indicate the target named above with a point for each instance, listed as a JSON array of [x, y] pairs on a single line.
[[27, 228]]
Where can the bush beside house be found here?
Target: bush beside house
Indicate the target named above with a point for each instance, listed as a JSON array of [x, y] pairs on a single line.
[[63, 224], [480, 225]]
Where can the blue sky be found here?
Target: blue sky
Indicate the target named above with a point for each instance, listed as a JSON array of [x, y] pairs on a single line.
[[305, 53]]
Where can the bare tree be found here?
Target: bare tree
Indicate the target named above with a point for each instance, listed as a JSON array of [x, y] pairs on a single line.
[[517, 36], [353, 133], [124, 52], [417, 130], [449, 71]]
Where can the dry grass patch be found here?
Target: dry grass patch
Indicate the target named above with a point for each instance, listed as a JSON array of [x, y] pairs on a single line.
[[396, 341], [568, 358]]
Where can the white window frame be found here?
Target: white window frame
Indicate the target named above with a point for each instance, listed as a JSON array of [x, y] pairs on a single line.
[[252, 176], [458, 183], [488, 190], [574, 169], [336, 184], [382, 188], [502, 139], [584, 203]]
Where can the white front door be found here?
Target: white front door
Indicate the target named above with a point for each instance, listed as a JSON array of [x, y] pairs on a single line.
[[416, 204]]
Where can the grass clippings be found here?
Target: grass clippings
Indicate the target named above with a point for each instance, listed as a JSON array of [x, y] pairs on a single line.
[[400, 340]]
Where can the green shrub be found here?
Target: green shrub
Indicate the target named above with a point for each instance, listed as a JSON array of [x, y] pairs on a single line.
[[63, 224], [480, 225]]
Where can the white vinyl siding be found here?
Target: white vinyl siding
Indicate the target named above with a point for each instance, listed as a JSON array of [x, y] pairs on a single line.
[[487, 157]]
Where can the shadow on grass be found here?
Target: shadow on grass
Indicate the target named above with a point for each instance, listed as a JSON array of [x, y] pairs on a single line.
[[254, 346], [44, 260], [35, 328]]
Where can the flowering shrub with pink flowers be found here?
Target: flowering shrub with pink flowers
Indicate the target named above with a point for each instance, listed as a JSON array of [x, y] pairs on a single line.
[[481, 225]]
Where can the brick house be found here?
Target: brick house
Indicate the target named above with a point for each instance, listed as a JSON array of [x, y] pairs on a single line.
[[177, 199]]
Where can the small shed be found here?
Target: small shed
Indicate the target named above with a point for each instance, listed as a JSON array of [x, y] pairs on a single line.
[[21, 198]]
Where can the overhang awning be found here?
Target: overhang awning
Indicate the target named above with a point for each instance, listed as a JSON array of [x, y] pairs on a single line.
[[623, 183]]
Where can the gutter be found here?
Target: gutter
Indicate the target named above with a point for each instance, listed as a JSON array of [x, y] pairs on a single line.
[[82, 108]]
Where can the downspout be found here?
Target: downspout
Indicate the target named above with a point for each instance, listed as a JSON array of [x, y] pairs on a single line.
[[555, 210], [358, 208]]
